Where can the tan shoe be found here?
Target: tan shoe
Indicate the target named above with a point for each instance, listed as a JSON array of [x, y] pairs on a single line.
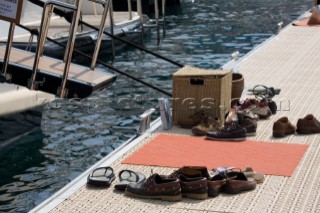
[[208, 124], [308, 125], [283, 127], [192, 120]]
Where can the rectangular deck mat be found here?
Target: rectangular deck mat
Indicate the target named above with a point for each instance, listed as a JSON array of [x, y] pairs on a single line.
[[271, 158]]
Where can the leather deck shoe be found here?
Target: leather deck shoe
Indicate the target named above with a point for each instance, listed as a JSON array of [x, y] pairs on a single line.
[[214, 184], [308, 125], [156, 186], [283, 127], [238, 182]]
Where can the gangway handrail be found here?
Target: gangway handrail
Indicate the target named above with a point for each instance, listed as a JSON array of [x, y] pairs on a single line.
[[101, 62], [106, 5], [47, 11]]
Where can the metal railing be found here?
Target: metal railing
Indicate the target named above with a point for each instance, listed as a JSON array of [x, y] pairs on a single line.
[[107, 7], [45, 21], [8, 50], [158, 21]]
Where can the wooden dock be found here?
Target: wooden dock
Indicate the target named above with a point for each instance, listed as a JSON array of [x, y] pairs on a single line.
[[290, 61]]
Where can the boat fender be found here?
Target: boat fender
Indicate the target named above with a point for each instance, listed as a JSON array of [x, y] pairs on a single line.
[[125, 30]]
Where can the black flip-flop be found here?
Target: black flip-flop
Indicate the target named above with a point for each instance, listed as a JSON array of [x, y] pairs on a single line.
[[101, 176], [128, 176]]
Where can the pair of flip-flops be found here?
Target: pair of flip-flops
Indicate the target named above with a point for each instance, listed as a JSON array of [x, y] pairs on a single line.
[[104, 176]]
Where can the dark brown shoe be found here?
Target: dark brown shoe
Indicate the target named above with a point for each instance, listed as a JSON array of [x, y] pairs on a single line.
[[308, 125], [248, 123], [230, 132], [214, 184], [208, 124], [192, 120], [157, 187], [283, 127], [193, 184], [194, 188], [238, 182]]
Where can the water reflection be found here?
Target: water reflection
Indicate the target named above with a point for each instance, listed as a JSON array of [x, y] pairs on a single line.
[[77, 134]]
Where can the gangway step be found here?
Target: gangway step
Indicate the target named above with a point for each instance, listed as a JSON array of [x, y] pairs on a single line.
[[82, 81]]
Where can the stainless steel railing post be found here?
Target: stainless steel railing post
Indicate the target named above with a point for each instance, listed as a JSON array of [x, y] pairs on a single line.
[[100, 33], [41, 41], [130, 9], [139, 8], [111, 30], [8, 50], [74, 26], [44, 26], [164, 16], [156, 12]]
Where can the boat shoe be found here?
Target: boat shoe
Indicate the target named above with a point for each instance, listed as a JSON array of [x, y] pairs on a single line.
[[237, 182], [193, 184], [282, 127], [230, 132], [206, 125], [156, 186], [214, 184], [248, 123], [260, 108], [308, 125]]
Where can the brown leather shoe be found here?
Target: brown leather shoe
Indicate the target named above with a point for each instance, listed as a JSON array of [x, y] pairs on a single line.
[[283, 127], [194, 188], [214, 184], [156, 186], [248, 123], [308, 125], [192, 120], [206, 125], [238, 182]]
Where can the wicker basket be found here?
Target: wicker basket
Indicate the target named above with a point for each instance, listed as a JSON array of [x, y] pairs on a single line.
[[195, 89]]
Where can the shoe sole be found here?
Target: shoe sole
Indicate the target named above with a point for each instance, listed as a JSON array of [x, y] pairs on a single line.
[[281, 134], [195, 196], [306, 131], [162, 197], [227, 139], [251, 133]]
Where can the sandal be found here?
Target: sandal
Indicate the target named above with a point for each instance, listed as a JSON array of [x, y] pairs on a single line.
[[128, 176], [258, 176], [102, 176], [263, 90]]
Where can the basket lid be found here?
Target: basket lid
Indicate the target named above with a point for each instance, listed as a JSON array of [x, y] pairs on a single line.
[[194, 71]]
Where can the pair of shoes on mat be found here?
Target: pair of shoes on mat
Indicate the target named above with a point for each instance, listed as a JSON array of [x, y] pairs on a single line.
[[226, 182], [307, 125], [248, 172], [104, 176]]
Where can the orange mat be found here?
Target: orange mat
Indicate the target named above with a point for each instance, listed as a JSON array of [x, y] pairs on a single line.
[[175, 151]]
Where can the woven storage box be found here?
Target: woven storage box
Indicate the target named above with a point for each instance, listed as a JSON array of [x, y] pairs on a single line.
[[195, 89]]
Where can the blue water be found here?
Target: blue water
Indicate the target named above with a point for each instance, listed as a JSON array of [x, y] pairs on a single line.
[[75, 135]]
